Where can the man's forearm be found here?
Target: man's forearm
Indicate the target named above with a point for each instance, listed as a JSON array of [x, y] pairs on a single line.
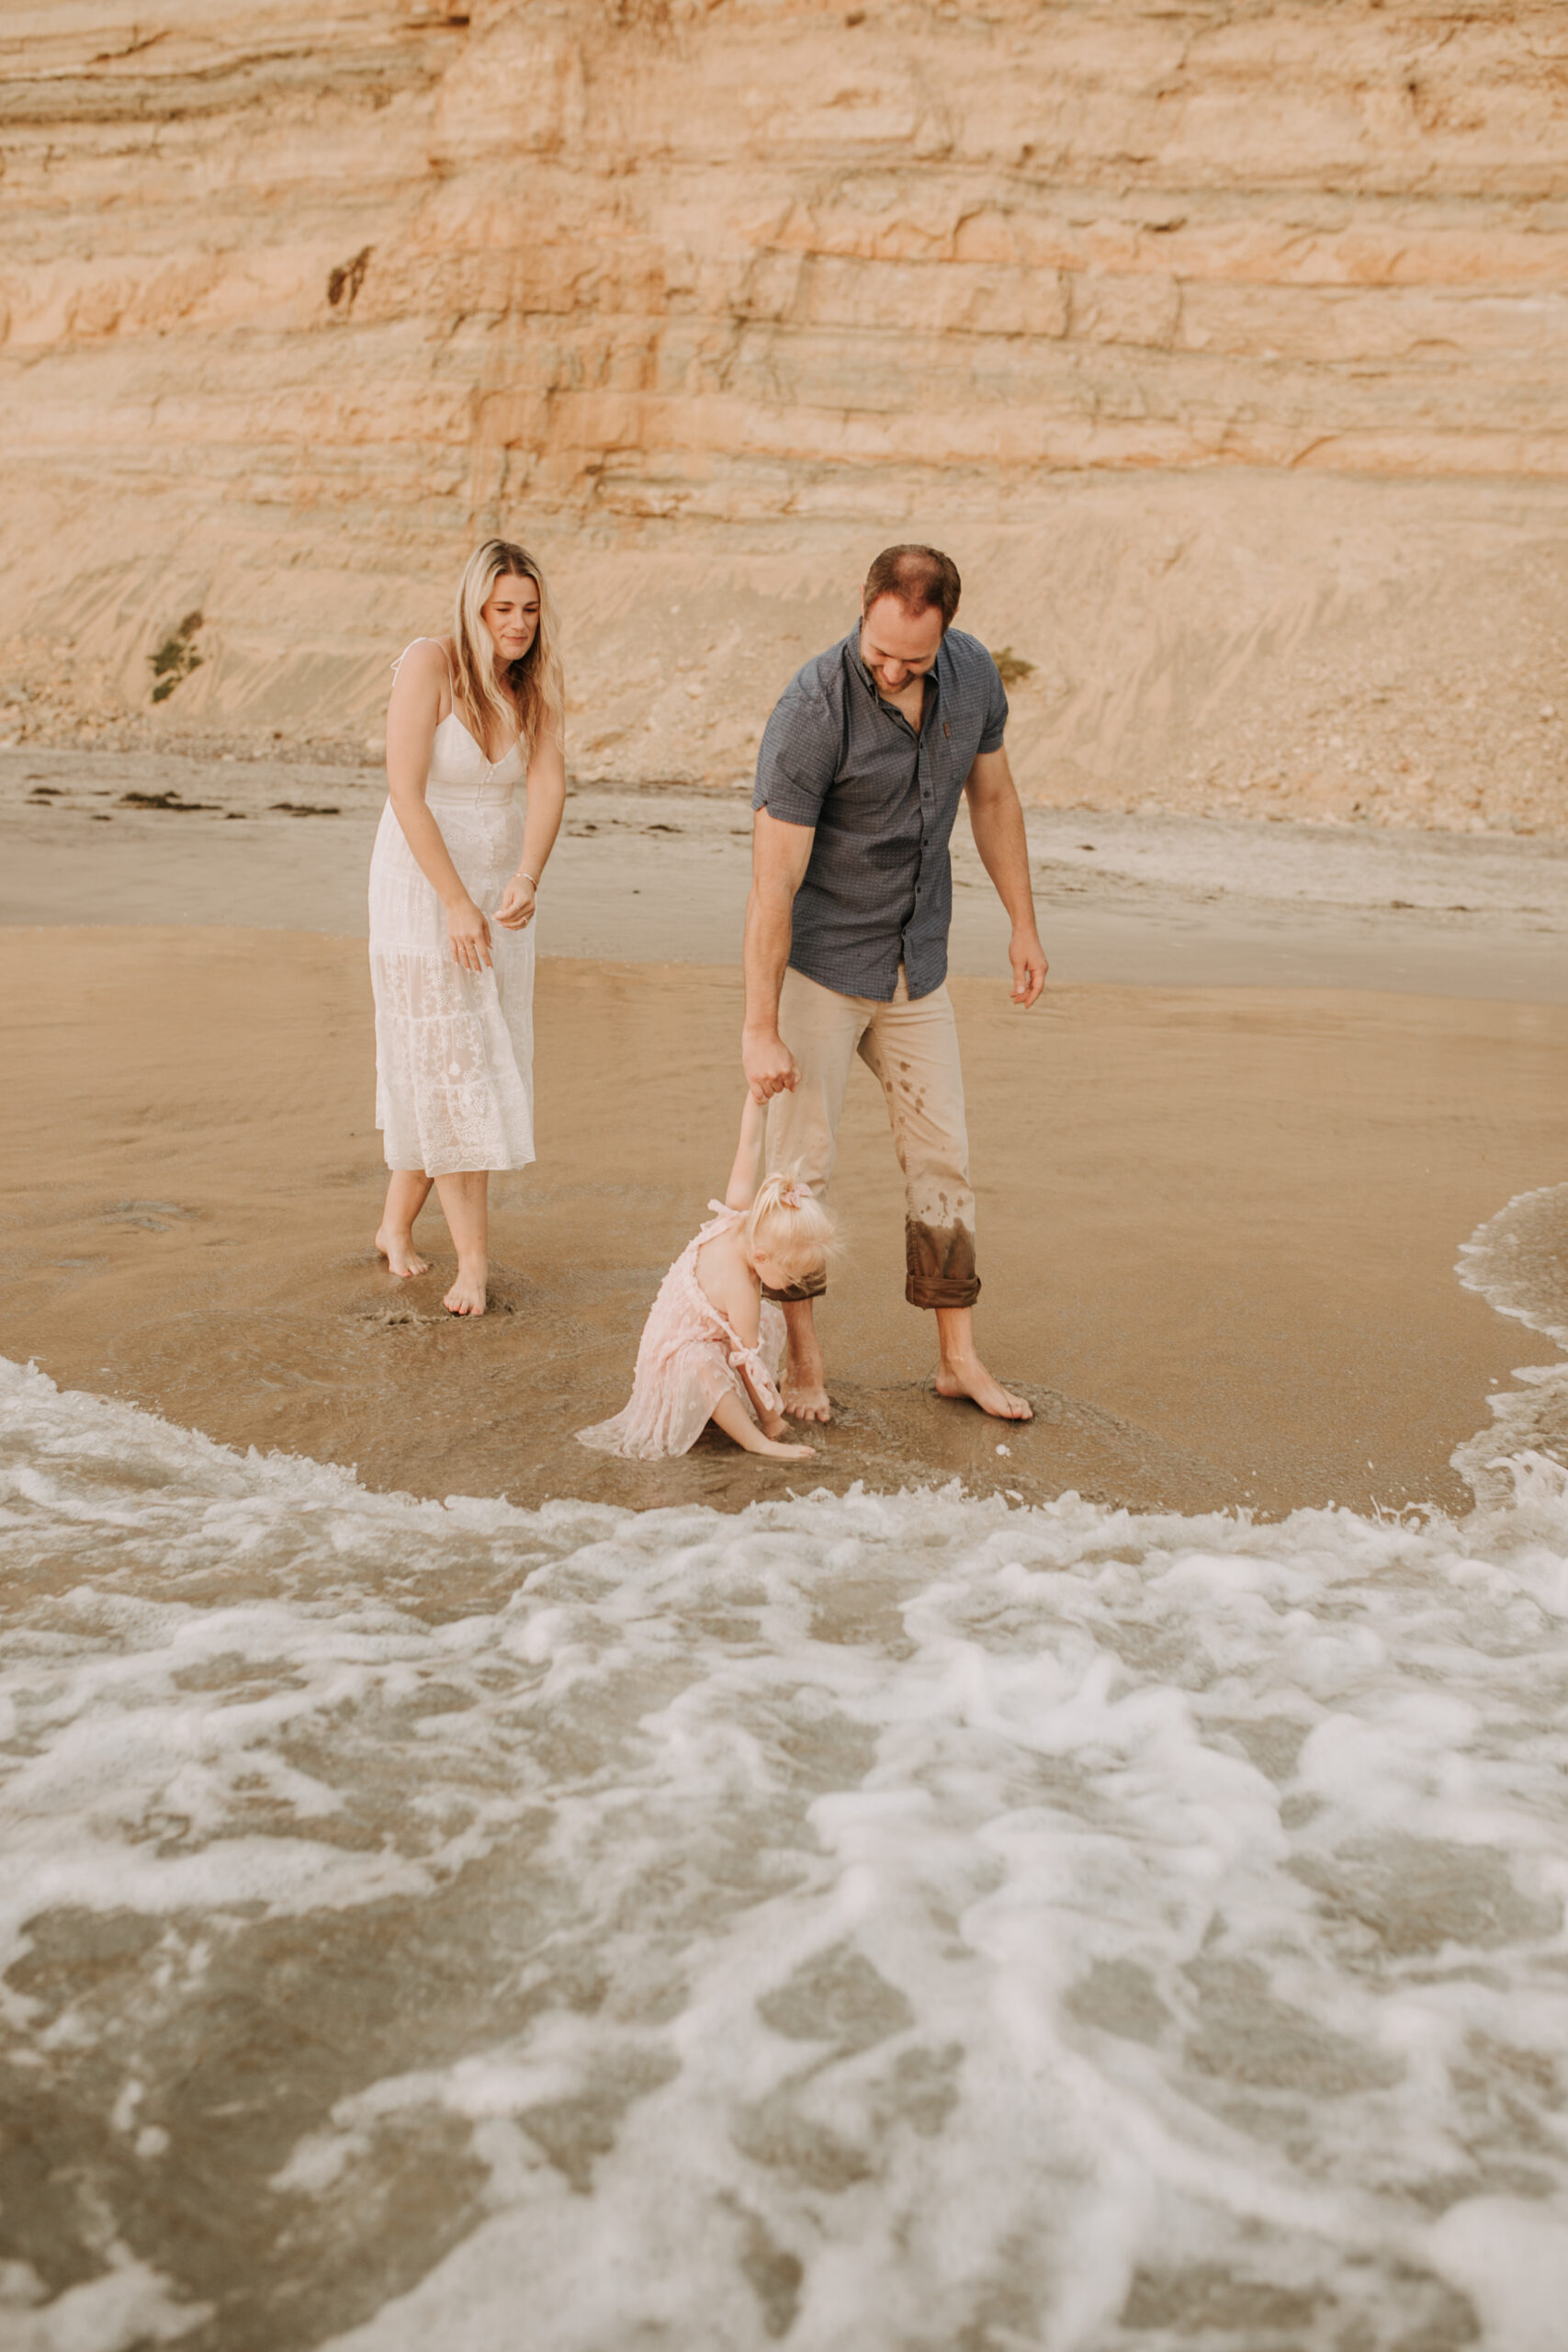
[[769, 926], [996, 822], [780, 853]]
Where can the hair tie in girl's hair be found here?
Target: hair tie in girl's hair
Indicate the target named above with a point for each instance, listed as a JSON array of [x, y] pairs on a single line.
[[792, 1196]]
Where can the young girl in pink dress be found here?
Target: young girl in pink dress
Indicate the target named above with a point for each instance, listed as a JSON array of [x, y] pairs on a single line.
[[713, 1346]]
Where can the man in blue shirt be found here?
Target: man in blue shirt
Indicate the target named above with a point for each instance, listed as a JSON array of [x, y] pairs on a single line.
[[862, 764]]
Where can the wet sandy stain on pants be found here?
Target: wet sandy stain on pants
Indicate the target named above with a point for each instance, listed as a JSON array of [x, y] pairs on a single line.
[[939, 1262]]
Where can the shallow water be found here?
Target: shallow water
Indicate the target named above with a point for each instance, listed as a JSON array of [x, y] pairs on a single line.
[[872, 1921], [1519, 1261]]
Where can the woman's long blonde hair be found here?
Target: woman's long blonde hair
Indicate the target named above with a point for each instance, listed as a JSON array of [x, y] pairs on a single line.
[[534, 683]]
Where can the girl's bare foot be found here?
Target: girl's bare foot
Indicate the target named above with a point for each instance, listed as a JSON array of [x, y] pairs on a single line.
[[401, 1256], [730, 1415], [968, 1376], [467, 1295]]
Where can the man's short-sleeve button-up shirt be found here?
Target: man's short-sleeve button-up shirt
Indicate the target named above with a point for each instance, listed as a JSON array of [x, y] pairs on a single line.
[[878, 889]]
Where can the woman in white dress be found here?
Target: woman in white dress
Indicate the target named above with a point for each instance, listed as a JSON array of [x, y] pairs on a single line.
[[454, 881]]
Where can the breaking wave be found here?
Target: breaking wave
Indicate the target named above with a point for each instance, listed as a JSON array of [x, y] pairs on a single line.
[[870, 1921]]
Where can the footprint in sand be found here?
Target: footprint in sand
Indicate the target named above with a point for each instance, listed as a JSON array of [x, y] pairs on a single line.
[[153, 1217]]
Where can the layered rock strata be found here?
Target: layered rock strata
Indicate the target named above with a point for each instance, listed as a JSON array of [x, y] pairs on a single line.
[[1223, 343]]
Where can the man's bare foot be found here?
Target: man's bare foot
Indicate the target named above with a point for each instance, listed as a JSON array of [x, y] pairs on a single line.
[[401, 1256], [467, 1295], [803, 1391], [968, 1376]]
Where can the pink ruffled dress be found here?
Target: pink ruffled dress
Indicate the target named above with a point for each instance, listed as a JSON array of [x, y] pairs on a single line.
[[689, 1359]]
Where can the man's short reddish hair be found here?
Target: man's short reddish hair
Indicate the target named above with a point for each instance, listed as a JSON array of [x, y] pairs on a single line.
[[921, 578]]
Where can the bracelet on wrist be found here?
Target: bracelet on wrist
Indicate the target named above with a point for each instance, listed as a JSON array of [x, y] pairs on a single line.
[[521, 876]]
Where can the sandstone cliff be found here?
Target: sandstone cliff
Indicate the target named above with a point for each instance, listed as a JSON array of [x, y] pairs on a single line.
[[1223, 343]]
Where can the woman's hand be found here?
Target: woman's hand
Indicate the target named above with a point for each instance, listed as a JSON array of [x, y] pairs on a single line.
[[470, 935], [518, 903]]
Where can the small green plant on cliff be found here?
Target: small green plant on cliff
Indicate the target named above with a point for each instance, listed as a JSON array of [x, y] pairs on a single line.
[[1011, 668], [176, 658]]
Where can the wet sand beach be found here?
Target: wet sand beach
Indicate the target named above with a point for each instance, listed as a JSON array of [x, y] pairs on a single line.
[[897, 1918], [1217, 1227]]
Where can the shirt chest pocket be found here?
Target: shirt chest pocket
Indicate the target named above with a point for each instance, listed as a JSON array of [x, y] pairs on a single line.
[[949, 755]]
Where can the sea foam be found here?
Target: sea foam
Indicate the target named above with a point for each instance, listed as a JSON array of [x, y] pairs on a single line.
[[1519, 1263], [869, 1921]]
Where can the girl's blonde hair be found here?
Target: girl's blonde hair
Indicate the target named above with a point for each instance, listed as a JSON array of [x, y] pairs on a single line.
[[538, 694], [787, 1224]]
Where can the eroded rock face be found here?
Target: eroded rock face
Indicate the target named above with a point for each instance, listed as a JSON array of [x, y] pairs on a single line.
[[1225, 345]]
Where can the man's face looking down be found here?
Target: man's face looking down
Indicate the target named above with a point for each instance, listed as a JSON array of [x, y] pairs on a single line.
[[898, 645]]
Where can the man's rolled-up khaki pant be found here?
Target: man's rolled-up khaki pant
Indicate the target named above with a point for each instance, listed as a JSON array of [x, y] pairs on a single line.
[[913, 1050]]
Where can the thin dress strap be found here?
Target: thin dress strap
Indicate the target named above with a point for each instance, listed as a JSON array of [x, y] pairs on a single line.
[[490, 766], [409, 648]]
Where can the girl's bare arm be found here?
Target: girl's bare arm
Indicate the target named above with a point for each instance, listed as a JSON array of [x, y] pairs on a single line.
[[746, 1176]]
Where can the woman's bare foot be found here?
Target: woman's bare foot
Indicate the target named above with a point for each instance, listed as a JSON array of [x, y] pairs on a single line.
[[968, 1376], [467, 1295], [401, 1256]]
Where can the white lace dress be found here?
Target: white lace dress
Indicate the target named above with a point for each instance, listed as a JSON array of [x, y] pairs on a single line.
[[454, 1049]]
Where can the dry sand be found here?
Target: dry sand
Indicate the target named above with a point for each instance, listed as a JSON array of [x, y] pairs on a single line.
[[661, 876], [1217, 1227]]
